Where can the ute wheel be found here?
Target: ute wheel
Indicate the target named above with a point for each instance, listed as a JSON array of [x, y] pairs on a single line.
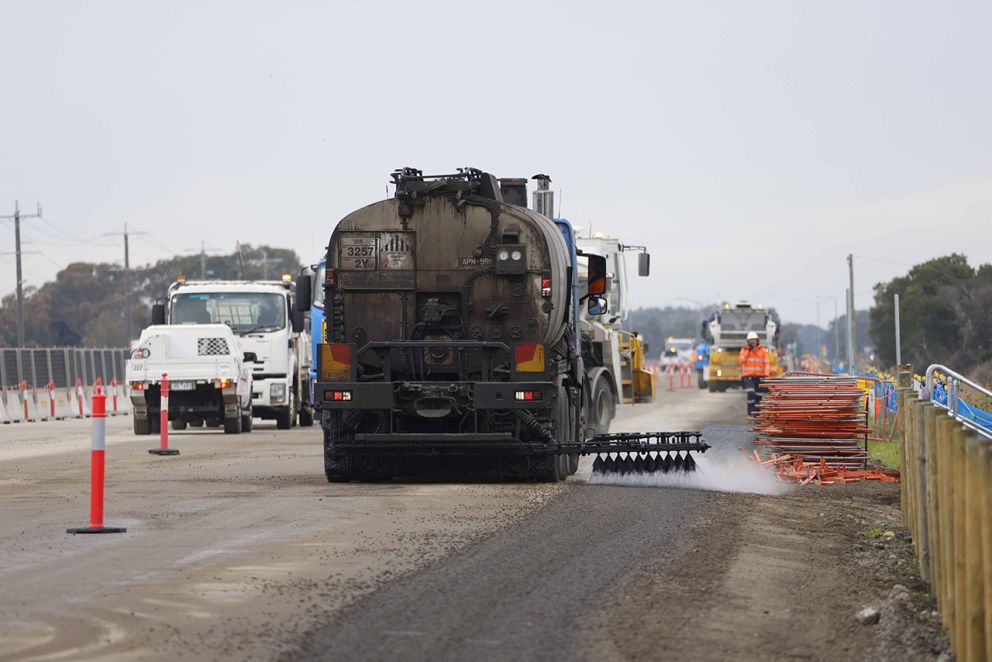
[[178, 424], [141, 426], [232, 425]]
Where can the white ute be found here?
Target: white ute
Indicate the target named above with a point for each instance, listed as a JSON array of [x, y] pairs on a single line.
[[210, 379], [264, 321]]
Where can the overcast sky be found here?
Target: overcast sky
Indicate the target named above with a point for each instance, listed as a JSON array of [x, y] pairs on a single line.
[[751, 145]]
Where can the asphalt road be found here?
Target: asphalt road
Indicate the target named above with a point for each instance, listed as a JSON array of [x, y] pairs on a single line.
[[238, 547]]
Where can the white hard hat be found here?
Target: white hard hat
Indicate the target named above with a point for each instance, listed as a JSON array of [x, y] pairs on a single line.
[[751, 335]]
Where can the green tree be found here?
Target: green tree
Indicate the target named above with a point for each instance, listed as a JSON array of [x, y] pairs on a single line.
[[932, 330]]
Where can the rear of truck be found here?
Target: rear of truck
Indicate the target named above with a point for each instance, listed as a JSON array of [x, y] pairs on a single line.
[[209, 382], [449, 333]]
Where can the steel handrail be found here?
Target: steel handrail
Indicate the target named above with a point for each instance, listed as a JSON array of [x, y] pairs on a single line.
[[954, 381]]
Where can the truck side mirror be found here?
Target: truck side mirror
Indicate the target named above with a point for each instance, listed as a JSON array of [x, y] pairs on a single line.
[[304, 294], [596, 306], [597, 275], [158, 313], [298, 320], [643, 264], [249, 357]]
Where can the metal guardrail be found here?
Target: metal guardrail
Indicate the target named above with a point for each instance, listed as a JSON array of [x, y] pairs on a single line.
[[953, 406]]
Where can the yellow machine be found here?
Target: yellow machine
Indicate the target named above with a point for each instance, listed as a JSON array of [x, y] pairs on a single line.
[[729, 328], [637, 384]]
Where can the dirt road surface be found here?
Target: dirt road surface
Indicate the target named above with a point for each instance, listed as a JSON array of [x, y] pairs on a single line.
[[239, 548]]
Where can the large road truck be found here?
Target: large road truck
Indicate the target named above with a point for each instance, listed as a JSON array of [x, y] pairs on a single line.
[[452, 330], [265, 322], [727, 330]]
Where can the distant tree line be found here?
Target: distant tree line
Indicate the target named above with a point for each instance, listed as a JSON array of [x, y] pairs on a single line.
[[84, 305], [945, 310]]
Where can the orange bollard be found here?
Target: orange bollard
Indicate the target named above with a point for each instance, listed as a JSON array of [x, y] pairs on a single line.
[[24, 398], [98, 448], [163, 448]]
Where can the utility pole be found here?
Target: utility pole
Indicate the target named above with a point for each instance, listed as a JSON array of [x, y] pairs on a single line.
[[17, 216], [851, 329], [127, 276], [203, 257]]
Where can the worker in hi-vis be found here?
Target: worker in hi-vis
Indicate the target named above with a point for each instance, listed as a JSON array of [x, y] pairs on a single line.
[[754, 366]]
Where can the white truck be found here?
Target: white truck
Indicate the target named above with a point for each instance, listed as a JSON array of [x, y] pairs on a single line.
[[209, 377], [264, 321], [613, 356]]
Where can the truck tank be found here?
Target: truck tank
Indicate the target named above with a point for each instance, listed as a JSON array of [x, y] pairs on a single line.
[[434, 264]]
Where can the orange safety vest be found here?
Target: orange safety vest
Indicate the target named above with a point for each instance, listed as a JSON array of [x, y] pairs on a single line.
[[754, 362]]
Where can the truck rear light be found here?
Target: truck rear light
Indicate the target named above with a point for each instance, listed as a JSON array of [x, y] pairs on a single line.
[[529, 357], [339, 396], [138, 386], [224, 383], [528, 395], [334, 361], [545, 285], [330, 276]]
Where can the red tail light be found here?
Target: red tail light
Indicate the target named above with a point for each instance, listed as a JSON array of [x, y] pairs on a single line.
[[528, 395], [546, 284]]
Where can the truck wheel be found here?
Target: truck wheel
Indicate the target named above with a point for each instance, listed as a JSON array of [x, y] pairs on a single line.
[[179, 424], [232, 425], [306, 415], [602, 406], [247, 422], [154, 423], [141, 426], [711, 386], [549, 469], [198, 423], [293, 400]]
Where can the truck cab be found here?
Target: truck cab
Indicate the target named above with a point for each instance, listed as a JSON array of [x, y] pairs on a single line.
[[261, 315]]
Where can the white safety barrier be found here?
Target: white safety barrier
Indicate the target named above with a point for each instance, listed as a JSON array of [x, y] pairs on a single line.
[[13, 406], [43, 403], [63, 403], [4, 416]]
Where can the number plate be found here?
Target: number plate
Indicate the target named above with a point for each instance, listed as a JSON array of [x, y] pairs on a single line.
[[182, 386]]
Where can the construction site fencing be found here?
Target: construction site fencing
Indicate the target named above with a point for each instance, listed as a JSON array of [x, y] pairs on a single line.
[[946, 499], [59, 382]]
